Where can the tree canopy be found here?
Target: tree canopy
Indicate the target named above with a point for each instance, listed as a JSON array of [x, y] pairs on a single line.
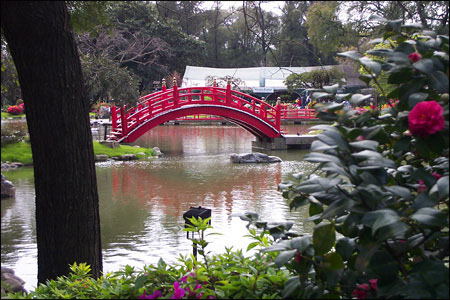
[[154, 39]]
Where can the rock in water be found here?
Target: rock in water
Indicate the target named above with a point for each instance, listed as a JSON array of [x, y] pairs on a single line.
[[8, 189], [255, 157]]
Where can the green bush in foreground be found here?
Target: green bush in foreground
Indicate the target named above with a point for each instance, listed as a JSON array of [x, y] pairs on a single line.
[[229, 275]]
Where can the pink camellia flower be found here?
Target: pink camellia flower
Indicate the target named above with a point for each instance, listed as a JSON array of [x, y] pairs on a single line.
[[414, 57], [361, 291], [426, 118], [298, 256], [422, 187], [373, 284], [436, 175]]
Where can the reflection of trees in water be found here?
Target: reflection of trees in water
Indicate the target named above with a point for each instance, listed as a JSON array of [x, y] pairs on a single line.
[[175, 188]]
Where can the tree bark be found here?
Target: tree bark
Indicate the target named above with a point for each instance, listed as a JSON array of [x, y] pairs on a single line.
[[41, 42]]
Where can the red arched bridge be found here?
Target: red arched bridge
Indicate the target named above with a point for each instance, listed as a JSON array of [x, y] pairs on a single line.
[[253, 114]]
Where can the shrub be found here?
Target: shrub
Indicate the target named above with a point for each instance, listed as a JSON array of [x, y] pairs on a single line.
[[229, 275], [381, 183], [15, 109]]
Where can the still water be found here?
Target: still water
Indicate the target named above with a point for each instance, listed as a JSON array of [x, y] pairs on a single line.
[[142, 202]]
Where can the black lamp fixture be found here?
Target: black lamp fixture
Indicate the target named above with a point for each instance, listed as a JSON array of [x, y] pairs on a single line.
[[195, 212]]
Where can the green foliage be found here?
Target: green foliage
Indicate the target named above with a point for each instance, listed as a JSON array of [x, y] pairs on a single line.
[[315, 79], [325, 31], [382, 186], [123, 149], [229, 275], [378, 52], [86, 15], [105, 79], [10, 87], [21, 151]]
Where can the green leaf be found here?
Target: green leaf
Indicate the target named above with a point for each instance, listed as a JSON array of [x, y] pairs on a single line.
[[357, 99], [416, 98], [332, 261], [365, 144], [291, 285], [331, 89], [140, 281], [365, 154], [321, 146], [400, 76], [384, 266], [439, 81], [345, 247], [317, 157], [442, 185], [353, 55], [399, 191], [406, 48], [394, 25], [301, 243], [333, 106], [372, 65], [383, 218], [284, 257], [333, 137], [424, 65], [324, 237], [366, 78], [431, 217], [319, 95], [337, 208], [380, 52]]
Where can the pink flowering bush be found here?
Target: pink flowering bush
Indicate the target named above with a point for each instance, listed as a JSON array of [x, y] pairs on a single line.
[[15, 109], [426, 118]]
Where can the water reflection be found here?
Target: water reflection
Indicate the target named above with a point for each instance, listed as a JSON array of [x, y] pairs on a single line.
[[142, 202]]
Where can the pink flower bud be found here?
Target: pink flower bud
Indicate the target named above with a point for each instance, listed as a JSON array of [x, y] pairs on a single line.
[[414, 57]]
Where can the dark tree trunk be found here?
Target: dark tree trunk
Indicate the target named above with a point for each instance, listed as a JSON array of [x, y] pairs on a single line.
[[40, 38]]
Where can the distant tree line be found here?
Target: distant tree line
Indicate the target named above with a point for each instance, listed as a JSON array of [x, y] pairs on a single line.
[[127, 47]]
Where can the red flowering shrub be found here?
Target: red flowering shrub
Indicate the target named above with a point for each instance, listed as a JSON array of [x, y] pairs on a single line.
[[15, 109], [426, 118]]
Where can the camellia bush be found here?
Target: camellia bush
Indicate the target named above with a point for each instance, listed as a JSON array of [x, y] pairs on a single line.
[[380, 193]]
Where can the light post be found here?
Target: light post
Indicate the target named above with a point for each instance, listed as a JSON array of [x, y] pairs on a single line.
[[195, 212]]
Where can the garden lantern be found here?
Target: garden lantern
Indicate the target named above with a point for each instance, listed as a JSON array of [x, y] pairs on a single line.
[[196, 212]]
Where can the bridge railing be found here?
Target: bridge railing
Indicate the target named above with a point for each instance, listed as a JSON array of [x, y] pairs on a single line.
[[124, 120]]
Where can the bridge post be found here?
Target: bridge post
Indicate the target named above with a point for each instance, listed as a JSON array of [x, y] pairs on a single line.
[[175, 92], [113, 117], [214, 90], [228, 92], [164, 89], [278, 114], [124, 120]]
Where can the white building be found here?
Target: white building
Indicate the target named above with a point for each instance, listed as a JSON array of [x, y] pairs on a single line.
[[260, 81]]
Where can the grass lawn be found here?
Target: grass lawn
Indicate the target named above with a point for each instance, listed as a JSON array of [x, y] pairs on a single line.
[[6, 115], [21, 152]]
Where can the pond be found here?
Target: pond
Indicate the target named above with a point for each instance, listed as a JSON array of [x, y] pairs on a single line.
[[142, 202]]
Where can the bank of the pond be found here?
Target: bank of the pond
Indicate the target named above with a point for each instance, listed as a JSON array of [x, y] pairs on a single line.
[[21, 152], [6, 115]]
